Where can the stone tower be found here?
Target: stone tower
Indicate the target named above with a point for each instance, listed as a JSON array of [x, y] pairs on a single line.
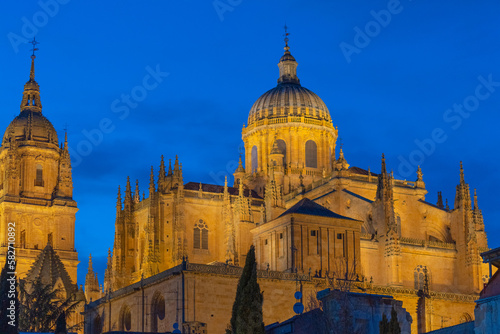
[[36, 187]]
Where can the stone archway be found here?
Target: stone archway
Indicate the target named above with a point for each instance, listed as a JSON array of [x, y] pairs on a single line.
[[157, 310]]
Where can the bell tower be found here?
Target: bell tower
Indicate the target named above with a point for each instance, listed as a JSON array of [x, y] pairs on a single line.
[[36, 187]]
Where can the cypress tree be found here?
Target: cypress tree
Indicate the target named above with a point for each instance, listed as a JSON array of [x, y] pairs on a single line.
[[61, 324], [394, 324], [384, 325], [9, 303], [247, 308]]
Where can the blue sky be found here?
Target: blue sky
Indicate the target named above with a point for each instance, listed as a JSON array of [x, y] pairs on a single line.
[[416, 80]]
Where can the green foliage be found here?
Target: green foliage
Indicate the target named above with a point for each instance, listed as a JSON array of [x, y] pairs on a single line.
[[394, 324], [61, 324], [391, 327], [41, 306], [247, 308], [8, 299], [384, 325]]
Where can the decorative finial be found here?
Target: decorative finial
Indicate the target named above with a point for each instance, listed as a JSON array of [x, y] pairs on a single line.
[[32, 72], [34, 43], [286, 38], [384, 170]]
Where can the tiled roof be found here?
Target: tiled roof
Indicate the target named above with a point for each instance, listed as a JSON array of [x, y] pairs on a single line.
[[357, 196], [307, 207], [361, 171], [49, 268]]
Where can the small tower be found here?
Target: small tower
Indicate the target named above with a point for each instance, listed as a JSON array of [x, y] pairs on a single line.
[[239, 174], [92, 290]]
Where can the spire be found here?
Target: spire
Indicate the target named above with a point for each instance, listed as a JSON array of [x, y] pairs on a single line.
[[385, 183], [137, 194], [440, 200], [65, 145], [31, 93], [383, 170], [475, 200], [90, 269], [161, 176], [176, 164], [288, 65], [151, 182], [447, 207], [119, 200], [462, 178], [128, 193], [169, 167]]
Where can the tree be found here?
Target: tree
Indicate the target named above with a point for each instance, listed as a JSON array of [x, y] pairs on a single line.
[[391, 327], [394, 324], [340, 312], [384, 325], [247, 308], [9, 303], [61, 324], [41, 306]]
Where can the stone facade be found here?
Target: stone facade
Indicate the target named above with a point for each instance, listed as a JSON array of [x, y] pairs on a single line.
[[380, 229], [37, 210], [36, 188]]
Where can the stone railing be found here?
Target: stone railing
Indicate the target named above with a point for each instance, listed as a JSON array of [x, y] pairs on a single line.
[[236, 271], [426, 243], [289, 119]]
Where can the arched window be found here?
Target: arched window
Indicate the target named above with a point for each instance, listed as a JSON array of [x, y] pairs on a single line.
[[311, 154], [200, 237], [282, 147], [125, 323], [421, 278], [157, 310], [39, 176], [255, 159]]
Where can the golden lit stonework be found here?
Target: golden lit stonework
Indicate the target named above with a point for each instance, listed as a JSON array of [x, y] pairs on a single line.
[[311, 216], [36, 187]]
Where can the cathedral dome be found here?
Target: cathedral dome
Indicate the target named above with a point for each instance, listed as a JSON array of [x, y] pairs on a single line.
[[31, 125], [288, 98]]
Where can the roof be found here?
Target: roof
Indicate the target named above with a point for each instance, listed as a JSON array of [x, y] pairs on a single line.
[[49, 268], [361, 171], [357, 196], [307, 207], [433, 205], [213, 188], [492, 256], [288, 99]]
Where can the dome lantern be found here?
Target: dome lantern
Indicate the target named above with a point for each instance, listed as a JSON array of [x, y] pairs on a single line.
[[288, 65]]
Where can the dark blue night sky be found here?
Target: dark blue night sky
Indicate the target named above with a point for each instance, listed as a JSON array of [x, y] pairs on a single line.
[[417, 80]]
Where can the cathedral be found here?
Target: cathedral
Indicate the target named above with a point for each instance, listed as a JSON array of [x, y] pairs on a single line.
[[314, 220], [312, 217], [37, 210]]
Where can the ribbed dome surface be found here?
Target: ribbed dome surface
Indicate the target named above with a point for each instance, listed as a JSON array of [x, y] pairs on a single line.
[[31, 125], [288, 99]]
